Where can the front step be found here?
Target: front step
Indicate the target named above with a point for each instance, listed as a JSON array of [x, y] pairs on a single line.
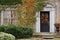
[[36, 35], [39, 34], [45, 35]]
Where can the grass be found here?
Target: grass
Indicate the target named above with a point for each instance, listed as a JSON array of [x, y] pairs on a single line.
[[37, 39], [57, 38]]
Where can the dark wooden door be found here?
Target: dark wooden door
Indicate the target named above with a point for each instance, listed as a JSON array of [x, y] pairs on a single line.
[[44, 21]]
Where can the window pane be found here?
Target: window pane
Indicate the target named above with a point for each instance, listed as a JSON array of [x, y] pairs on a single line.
[[13, 17], [6, 17]]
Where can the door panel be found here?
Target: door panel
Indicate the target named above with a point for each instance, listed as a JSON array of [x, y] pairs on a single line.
[[44, 21]]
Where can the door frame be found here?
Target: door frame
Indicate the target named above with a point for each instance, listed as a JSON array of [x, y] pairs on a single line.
[[52, 18]]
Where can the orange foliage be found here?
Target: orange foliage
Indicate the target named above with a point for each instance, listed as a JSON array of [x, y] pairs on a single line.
[[28, 9]]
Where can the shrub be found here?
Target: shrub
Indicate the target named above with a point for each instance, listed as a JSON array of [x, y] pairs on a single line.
[[2, 28], [25, 32], [12, 29], [5, 36], [18, 31]]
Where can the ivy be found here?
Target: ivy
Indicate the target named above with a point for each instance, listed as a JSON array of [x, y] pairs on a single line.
[[39, 5], [29, 9], [10, 2], [26, 11]]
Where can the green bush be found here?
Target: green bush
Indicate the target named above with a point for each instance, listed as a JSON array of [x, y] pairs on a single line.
[[2, 28], [5, 36], [18, 31]]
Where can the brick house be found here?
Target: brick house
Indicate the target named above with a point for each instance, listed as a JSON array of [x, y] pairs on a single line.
[[45, 19]]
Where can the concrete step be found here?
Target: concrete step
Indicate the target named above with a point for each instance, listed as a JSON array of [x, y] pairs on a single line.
[[42, 33]]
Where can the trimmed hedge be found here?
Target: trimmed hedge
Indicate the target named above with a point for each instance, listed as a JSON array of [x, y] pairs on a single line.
[[6, 36], [18, 31]]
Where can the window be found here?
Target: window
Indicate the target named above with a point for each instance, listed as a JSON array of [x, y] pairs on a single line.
[[9, 17]]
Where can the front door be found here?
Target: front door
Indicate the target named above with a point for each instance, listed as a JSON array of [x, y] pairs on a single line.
[[44, 21]]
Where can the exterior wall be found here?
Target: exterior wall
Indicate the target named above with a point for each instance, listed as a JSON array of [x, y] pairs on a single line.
[[57, 12]]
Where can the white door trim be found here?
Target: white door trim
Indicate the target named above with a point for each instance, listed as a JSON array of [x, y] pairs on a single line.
[[52, 19], [37, 22]]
